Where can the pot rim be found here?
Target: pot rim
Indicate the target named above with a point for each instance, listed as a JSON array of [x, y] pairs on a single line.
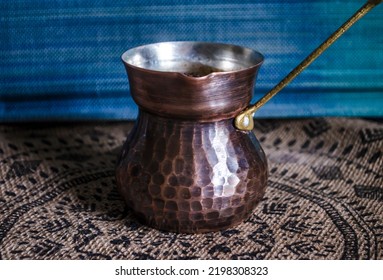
[[146, 57]]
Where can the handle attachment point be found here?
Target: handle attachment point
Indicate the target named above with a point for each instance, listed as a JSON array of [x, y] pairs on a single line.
[[244, 121]]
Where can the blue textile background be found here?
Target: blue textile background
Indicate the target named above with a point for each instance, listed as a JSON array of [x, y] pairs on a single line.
[[60, 60]]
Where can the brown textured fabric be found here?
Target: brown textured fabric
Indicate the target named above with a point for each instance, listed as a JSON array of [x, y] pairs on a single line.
[[324, 200]]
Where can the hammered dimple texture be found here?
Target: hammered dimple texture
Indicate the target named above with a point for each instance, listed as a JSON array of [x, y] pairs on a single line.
[[187, 176]]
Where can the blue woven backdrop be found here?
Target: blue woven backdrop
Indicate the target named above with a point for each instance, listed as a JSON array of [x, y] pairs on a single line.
[[60, 60]]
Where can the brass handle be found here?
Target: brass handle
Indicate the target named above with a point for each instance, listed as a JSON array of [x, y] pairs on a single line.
[[244, 121]]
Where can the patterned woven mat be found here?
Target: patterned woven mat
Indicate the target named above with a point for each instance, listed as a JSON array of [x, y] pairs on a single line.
[[324, 200]]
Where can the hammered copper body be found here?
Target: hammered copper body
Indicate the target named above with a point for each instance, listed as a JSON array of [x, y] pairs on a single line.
[[184, 166]]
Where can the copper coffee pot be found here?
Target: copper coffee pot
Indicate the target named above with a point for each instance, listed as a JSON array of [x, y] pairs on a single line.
[[191, 163]]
